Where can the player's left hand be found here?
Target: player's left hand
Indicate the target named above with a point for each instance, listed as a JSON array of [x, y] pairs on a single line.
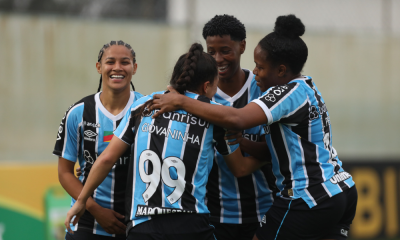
[[77, 210], [236, 135], [78, 171], [166, 102]]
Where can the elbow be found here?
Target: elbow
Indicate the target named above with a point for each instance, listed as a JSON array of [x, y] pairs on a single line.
[[239, 172]]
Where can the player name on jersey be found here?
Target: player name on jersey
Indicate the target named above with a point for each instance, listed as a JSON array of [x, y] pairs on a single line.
[[143, 210]]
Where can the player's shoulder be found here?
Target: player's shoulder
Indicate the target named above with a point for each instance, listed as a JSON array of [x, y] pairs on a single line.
[[78, 107], [137, 95]]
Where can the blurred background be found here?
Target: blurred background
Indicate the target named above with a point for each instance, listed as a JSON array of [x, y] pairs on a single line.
[[48, 51]]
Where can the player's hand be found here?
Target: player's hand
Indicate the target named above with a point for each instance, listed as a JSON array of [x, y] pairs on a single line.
[[108, 220], [236, 135], [78, 171], [166, 102], [77, 210]]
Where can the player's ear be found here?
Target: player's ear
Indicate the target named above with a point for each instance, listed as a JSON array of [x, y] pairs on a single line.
[[206, 87], [134, 68], [242, 46], [98, 67], [282, 70]]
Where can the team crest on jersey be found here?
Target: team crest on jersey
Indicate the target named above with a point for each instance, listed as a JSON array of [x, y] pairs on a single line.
[[143, 210]]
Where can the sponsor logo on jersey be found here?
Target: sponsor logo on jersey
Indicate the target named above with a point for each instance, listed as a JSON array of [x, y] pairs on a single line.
[[96, 125], [186, 118], [270, 98], [143, 210], [264, 220], [340, 177], [267, 129], [167, 132], [60, 129], [90, 133], [344, 232], [314, 114], [252, 137], [88, 157]]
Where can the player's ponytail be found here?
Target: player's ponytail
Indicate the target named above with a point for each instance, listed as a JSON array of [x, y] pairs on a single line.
[[284, 45], [192, 69], [105, 46]]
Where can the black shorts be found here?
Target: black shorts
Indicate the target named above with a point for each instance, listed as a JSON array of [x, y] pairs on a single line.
[[179, 226], [86, 235], [293, 219], [226, 231]]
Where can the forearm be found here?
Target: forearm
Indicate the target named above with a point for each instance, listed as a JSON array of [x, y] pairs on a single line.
[[74, 187], [223, 116], [258, 150], [98, 173], [242, 166]]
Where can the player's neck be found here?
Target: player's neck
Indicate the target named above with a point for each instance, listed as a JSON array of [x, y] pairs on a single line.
[[233, 85], [115, 101]]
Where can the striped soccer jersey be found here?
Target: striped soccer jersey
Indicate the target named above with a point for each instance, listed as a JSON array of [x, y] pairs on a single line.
[[239, 200], [85, 131], [299, 136], [170, 161]]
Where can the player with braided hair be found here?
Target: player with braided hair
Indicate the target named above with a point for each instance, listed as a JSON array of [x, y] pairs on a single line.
[[317, 198], [171, 159], [85, 131]]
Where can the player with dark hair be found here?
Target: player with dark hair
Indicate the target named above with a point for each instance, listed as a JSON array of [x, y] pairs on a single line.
[[317, 198], [85, 131], [170, 161], [236, 201]]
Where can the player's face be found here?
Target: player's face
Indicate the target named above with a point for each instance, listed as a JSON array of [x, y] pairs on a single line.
[[227, 54], [266, 73], [116, 67]]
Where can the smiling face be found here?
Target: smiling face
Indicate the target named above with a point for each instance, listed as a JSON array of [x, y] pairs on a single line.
[[227, 54], [267, 74], [116, 67]]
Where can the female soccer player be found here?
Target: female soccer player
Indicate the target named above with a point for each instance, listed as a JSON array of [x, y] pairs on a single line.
[[317, 198], [170, 161], [236, 203], [84, 133]]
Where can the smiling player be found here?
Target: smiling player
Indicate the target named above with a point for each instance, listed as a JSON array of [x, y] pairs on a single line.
[[85, 131]]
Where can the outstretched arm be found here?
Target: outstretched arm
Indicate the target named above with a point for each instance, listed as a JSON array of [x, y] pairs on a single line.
[[243, 118], [98, 173]]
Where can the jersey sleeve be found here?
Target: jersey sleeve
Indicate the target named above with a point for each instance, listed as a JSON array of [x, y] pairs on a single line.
[[68, 136], [282, 102], [126, 129]]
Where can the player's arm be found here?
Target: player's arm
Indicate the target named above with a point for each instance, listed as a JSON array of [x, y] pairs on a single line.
[[258, 149], [98, 173], [107, 218], [242, 166], [231, 118]]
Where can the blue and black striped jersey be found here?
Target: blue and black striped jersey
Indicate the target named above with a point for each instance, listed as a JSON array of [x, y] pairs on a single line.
[[299, 136], [84, 133], [239, 200], [170, 161]]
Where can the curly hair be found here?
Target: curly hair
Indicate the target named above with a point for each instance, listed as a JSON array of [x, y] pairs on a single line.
[[284, 45], [225, 25]]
